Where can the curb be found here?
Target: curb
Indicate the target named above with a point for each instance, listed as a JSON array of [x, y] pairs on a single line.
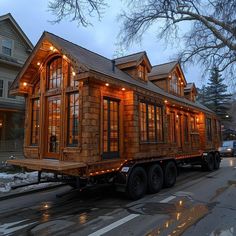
[[14, 195]]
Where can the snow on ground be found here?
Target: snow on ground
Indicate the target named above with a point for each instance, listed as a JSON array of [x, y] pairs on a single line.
[[8, 180]]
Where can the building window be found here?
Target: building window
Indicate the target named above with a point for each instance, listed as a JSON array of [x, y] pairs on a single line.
[[208, 129], [110, 128], [7, 47], [72, 78], [35, 121], [175, 84], [151, 129], [73, 119], [1, 88], [186, 137], [172, 127], [55, 73], [142, 72], [8, 91]]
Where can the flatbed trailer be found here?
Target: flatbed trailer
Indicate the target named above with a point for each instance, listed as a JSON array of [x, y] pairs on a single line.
[[119, 121]]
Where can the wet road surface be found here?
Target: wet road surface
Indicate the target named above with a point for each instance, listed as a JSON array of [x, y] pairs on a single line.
[[200, 203]]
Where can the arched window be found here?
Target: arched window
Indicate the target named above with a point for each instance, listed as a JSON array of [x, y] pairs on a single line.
[[55, 73]]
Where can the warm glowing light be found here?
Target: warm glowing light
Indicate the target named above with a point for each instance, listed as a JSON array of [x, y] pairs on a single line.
[[24, 84], [167, 224], [73, 73], [182, 83], [64, 57], [1, 124], [38, 64], [123, 89], [178, 216], [46, 206], [181, 107], [166, 101], [181, 203], [177, 116], [227, 116], [173, 105], [51, 48], [107, 84]]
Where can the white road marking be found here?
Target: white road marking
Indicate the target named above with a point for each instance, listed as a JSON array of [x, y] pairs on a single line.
[[167, 199], [8, 229], [124, 220], [114, 225]]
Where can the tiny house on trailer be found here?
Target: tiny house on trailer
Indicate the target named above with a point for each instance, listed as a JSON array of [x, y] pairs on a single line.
[[123, 120]]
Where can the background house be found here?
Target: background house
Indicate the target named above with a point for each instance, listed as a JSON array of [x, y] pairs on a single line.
[[15, 48]]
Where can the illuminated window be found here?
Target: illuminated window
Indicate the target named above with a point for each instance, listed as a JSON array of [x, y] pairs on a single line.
[[151, 129], [186, 136], [35, 122], [110, 128], [73, 119], [142, 72], [175, 84], [208, 129], [172, 127], [55, 73], [7, 45], [72, 78]]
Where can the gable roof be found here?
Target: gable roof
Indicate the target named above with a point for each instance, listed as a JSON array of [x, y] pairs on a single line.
[[18, 28], [135, 58], [163, 70], [100, 64]]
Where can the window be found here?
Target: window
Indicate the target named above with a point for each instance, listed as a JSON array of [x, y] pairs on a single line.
[[1, 88], [73, 119], [175, 84], [7, 47], [208, 129], [72, 78], [110, 128], [55, 73], [35, 122], [186, 138], [8, 93], [142, 72], [172, 128], [151, 129], [192, 123]]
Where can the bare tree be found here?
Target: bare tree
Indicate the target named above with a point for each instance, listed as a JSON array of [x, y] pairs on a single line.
[[77, 10], [209, 38], [206, 28]]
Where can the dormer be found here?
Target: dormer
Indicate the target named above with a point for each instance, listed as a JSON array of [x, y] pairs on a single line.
[[136, 65], [190, 92], [169, 77]]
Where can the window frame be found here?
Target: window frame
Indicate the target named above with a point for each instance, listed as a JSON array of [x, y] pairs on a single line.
[[2, 88], [147, 127], [209, 129], [10, 48]]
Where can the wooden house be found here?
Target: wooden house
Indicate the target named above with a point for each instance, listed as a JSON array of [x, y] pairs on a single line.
[[87, 115]]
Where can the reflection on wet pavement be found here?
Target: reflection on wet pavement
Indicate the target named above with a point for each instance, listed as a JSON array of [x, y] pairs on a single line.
[[181, 219]]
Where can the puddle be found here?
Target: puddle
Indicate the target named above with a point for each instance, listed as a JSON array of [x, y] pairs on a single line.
[[224, 232], [180, 220]]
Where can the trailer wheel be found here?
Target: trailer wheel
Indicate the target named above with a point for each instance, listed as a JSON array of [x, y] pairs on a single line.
[[210, 162], [170, 174], [217, 161], [137, 183], [155, 178]]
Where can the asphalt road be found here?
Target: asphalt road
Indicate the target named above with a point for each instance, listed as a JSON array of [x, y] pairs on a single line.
[[200, 203]]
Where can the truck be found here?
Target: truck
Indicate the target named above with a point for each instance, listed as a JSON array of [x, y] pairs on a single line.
[[123, 121]]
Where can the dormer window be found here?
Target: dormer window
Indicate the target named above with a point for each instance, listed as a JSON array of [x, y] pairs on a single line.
[[142, 72], [7, 46], [174, 84]]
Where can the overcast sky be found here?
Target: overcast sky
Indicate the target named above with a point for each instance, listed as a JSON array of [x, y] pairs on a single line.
[[34, 18]]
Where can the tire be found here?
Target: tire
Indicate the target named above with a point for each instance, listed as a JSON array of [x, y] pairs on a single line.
[[170, 174], [210, 162], [217, 161], [155, 178], [137, 183]]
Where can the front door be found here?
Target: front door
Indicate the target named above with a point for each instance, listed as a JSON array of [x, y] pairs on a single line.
[[110, 128], [53, 126]]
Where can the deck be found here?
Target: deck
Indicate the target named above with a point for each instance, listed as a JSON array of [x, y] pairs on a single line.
[[47, 164]]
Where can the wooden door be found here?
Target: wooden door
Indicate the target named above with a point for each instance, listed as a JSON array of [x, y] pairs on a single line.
[[110, 128], [53, 127]]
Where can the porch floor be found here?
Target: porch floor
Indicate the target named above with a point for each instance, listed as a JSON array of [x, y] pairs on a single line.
[[46, 164]]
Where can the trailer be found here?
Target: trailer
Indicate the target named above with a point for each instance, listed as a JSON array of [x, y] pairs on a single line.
[[120, 121]]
